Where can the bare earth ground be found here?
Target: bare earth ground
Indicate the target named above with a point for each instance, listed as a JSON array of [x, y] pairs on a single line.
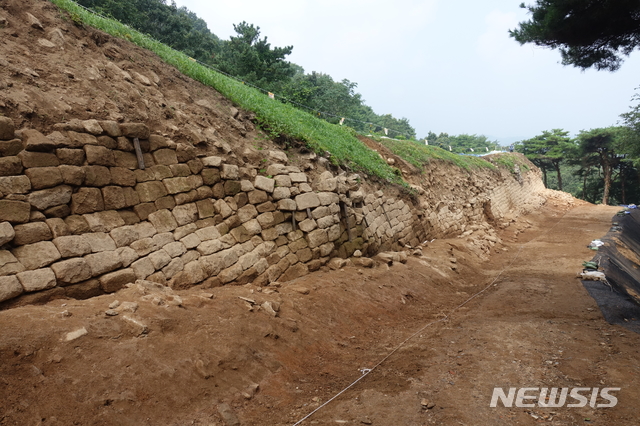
[[220, 360]]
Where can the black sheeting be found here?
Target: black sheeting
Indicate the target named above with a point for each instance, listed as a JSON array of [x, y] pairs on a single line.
[[620, 301]]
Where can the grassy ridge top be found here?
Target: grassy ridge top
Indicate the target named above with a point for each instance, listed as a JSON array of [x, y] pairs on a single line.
[[280, 119], [419, 154]]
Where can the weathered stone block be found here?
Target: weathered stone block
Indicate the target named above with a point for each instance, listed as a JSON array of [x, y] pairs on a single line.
[[15, 184], [44, 177], [30, 233], [317, 237], [10, 287], [125, 235], [298, 177], [10, 166], [92, 126], [87, 200], [71, 156], [185, 214], [230, 172], [10, 148], [177, 184], [143, 268], [165, 156], [35, 141], [7, 129], [7, 233], [264, 183], [104, 221], [135, 130], [96, 176], [71, 175], [126, 160], [111, 128], [36, 280], [115, 281], [37, 255], [159, 259], [103, 262], [72, 245], [100, 242], [72, 271], [308, 200], [150, 191], [51, 197], [163, 221], [37, 159], [122, 177], [99, 155], [287, 204], [113, 197]]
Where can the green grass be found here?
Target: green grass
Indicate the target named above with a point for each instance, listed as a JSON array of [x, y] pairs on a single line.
[[278, 119], [509, 161], [419, 155]]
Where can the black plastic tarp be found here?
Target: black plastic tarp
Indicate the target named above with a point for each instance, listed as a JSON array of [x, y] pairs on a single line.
[[619, 297]]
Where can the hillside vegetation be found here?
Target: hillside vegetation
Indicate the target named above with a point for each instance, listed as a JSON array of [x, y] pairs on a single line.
[[282, 121]]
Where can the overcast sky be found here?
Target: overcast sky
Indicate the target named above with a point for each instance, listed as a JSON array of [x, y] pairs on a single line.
[[447, 66]]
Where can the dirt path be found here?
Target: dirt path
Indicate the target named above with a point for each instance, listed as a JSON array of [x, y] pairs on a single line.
[[217, 358], [537, 327]]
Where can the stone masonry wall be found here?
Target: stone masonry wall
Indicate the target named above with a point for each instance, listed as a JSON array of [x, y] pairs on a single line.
[[80, 216]]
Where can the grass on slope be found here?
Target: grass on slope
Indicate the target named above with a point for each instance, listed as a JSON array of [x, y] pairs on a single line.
[[420, 155], [278, 118]]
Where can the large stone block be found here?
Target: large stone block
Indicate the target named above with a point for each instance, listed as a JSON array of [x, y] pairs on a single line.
[[38, 159], [44, 177], [111, 128], [37, 255], [100, 242], [10, 287], [72, 271], [15, 184], [150, 191], [126, 160], [113, 197], [71, 175], [36, 280], [185, 214], [30, 233], [7, 233], [115, 281], [7, 129], [230, 172], [210, 176], [96, 176], [135, 130], [72, 245], [163, 221], [264, 183], [104, 221], [14, 211], [71, 156], [35, 141], [10, 148], [10, 166], [99, 155], [177, 184], [125, 235], [307, 200], [165, 157], [50, 197], [87, 200], [101, 263], [317, 237]]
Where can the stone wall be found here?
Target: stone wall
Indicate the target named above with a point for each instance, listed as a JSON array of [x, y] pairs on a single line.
[[82, 214]]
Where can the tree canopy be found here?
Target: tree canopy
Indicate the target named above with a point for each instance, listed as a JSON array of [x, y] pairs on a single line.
[[595, 33]]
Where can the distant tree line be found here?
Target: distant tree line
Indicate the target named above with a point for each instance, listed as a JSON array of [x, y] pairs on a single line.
[[252, 59], [599, 165]]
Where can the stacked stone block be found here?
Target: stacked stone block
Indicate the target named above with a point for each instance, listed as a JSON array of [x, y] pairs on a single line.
[[79, 215]]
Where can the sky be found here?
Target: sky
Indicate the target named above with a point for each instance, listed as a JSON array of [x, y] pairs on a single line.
[[446, 66]]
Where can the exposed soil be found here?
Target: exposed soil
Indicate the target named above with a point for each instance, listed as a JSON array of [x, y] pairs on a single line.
[[218, 356]]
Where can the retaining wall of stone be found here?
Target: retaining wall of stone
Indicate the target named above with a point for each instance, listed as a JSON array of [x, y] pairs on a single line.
[[81, 213]]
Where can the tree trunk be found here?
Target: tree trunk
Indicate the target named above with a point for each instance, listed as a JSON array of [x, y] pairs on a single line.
[[544, 176], [606, 166], [557, 166]]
